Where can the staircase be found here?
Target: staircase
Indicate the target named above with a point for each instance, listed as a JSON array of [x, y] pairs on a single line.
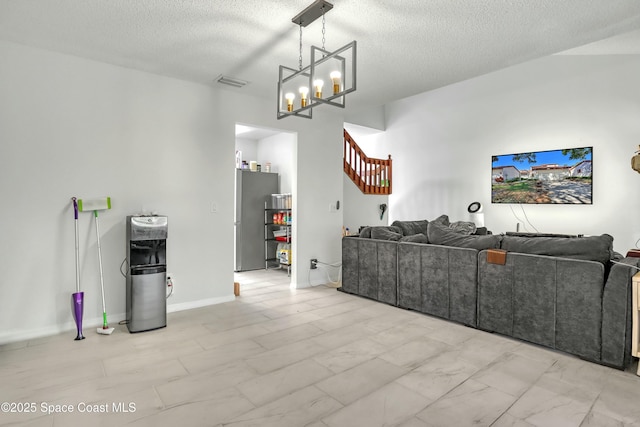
[[371, 176]]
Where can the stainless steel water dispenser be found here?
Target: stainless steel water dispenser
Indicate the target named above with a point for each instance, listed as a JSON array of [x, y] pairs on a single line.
[[146, 242]]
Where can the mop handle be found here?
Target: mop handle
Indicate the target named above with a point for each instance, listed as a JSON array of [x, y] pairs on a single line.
[[75, 212], [104, 309]]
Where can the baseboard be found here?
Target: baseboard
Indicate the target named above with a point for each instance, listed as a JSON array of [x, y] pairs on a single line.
[[94, 322], [70, 326], [199, 303]]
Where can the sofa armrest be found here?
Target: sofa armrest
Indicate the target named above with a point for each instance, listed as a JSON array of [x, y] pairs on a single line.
[[616, 314]]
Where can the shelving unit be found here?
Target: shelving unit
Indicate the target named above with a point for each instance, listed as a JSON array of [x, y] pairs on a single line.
[[276, 234], [635, 315]]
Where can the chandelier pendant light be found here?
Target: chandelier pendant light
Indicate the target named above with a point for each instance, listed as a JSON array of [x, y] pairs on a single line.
[[326, 80]]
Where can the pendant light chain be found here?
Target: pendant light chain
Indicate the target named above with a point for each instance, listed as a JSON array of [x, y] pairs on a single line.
[[323, 30], [300, 57]]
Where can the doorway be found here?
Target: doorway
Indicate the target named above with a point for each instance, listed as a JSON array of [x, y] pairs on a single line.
[[261, 153]]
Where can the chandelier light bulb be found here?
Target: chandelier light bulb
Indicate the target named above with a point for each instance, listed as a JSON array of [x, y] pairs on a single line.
[[318, 85], [304, 94], [290, 97], [335, 77]]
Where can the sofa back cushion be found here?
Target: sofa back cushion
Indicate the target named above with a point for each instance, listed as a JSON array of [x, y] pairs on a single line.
[[591, 248], [386, 233], [442, 235], [366, 231], [415, 238], [409, 228]]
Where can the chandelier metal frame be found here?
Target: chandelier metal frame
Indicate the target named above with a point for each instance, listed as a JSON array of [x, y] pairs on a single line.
[[341, 63]]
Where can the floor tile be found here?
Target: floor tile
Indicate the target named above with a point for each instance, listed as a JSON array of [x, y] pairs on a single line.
[[304, 408], [471, 403], [389, 405], [512, 373], [268, 387], [356, 382], [545, 408], [439, 375], [312, 357]]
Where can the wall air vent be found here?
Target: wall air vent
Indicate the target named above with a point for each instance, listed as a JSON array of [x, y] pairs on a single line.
[[231, 81]]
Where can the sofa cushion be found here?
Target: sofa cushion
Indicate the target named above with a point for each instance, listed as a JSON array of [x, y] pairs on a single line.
[[366, 231], [442, 220], [591, 248], [386, 233], [482, 231], [442, 235], [463, 227], [409, 228], [415, 238]]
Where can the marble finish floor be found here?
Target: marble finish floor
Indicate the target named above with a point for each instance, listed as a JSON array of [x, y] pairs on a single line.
[[311, 357]]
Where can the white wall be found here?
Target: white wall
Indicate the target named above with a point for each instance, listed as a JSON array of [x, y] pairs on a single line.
[[248, 147], [442, 142], [278, 150], [71, 126], [364, 209]]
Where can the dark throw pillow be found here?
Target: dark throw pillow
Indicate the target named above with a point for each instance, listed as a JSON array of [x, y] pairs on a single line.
[[365, 233], [385, 233], [409, 228], [442, 220], [415, 238], [463, 227], [442, 235]]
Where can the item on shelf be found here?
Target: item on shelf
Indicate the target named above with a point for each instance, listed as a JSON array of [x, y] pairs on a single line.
[[253, 165], [277, 228], [267, 167], [281, 201], [284, 255], [281, 235], [238, 159]]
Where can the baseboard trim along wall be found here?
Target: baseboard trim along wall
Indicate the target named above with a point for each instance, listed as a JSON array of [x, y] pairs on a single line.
[[89, 323]]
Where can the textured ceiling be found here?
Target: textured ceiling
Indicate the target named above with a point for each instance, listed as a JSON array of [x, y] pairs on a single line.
[[404, 46]]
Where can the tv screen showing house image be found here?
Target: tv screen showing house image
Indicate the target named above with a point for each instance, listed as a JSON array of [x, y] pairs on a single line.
[[556, 176]]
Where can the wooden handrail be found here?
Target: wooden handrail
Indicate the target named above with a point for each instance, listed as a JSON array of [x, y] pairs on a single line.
[[370, 175]]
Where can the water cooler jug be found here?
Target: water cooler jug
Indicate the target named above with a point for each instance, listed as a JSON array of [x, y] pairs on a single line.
[[146, 241]]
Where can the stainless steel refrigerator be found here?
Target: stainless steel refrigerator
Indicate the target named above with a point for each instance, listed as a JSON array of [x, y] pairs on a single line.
[[252, 190]]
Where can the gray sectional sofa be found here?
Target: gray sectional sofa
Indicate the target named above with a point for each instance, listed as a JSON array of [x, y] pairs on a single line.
[[561, 293]]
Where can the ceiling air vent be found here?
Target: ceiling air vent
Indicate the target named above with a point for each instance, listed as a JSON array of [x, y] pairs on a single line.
[[231, 81]]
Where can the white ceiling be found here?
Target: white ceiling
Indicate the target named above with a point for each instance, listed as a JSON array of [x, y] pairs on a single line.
[[404, 46]]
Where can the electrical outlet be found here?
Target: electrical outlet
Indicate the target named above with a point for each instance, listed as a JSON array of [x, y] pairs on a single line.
[[171, 281], [313, 264]]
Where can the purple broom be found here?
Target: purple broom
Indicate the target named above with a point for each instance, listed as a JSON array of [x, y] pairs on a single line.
[[77, 298]]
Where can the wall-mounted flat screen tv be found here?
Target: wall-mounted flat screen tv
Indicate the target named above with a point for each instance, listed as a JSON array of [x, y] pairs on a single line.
[[554, 177]]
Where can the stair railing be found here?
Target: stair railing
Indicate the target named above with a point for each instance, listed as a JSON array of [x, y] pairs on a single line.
[[370, 175]]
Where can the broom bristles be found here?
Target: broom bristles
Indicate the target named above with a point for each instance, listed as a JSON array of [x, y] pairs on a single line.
[[97, 204]]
